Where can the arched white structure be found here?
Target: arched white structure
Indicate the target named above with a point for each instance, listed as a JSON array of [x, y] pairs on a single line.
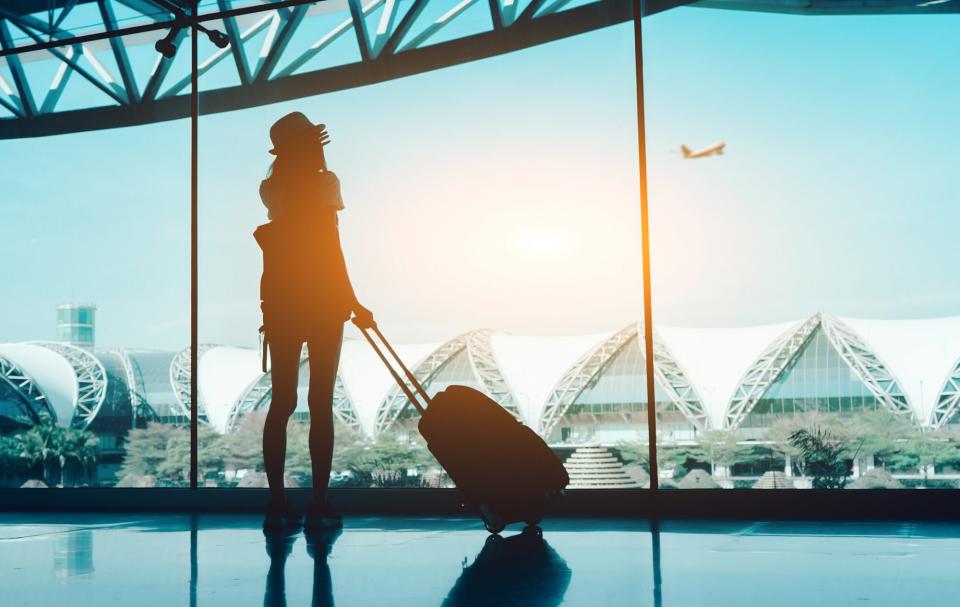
[[139, 403], [34, 403], [225, 372], [949, 400], [51, 372], [715, 376], [920, 354], [577, 378], [768, 367], [715, 360], [396, 402], [868, 366], [531, 366], [257, 397], [667, 371], [489, 371], [91, 381], [180, 381], [671, 377]]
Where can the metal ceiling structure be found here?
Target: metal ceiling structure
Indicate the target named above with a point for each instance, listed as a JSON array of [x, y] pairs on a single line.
[[282, 50]]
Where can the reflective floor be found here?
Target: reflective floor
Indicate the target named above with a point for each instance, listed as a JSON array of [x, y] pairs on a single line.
[[219, 560]]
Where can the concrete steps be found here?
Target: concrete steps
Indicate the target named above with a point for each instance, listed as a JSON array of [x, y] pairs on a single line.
[[594, 467]]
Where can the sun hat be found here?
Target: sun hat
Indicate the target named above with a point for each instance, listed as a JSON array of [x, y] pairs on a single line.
[[292, 128]]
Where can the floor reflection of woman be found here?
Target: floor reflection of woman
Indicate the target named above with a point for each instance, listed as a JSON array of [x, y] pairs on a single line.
[[319, 546], [306, 297]]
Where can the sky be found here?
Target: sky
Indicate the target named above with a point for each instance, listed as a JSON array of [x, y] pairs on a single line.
[[503, 193]]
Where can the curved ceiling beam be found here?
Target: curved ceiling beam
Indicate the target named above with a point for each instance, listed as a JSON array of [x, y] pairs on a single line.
[[868, 367], [487, 370], [35, 405], [391, 54], [766, 370], [385, 53], [91, 381], [396, 402]]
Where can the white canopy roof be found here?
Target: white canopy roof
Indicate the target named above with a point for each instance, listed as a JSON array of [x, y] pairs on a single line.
[[920, 353], [532, 366], [714, 360], [53, 374], [366, 379], [225, 374]]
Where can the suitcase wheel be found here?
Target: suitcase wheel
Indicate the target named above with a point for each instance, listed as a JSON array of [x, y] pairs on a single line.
[[491, 520], [532, 530]]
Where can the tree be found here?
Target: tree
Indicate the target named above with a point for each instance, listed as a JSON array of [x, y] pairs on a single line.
[[163, 450], [722, 448], [81, 446], [47, 444], [823, 455], [932, 448], [634, 453], [780, 432], [242, 447], [682, 458], [149, 448], [298, 462], [385, 461], [879, 433], [9, 458]]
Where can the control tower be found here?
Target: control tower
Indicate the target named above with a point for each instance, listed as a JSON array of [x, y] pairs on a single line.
[[76, 324]]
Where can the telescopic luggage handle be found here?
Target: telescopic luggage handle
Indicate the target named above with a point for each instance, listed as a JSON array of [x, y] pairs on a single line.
[[396, 376]]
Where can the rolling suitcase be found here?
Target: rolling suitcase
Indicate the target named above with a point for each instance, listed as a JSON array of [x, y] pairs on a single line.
[[501, 467]]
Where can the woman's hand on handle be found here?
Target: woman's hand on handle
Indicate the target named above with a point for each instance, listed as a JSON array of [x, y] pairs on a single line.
[[363, 317]]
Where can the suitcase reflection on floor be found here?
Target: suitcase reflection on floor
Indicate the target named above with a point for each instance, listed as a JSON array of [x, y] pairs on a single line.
[[518, 570], [280, 545]]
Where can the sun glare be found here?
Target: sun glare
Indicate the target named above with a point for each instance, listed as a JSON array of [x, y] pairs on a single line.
[[543, 243]]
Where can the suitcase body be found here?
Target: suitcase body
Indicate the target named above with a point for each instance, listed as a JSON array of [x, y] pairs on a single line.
[[502, 467]]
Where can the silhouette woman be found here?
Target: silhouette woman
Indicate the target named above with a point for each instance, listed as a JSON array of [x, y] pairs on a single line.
[[306, 297]]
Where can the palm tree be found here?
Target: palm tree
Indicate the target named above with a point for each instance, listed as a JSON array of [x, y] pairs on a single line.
[[33, 447], [81, 446], [9, 457], [47, 442]]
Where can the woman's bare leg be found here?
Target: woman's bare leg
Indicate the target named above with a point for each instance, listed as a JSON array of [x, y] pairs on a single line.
[[324, 359], [285, 365]]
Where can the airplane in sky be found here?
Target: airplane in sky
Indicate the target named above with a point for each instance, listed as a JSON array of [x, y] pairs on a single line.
[[714, 150]]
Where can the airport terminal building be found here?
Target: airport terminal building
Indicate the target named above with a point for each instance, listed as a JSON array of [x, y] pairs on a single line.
[[586, 389]]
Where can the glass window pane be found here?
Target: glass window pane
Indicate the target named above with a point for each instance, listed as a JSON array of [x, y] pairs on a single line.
[[497, 251], [806, 300], [98, 223]]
